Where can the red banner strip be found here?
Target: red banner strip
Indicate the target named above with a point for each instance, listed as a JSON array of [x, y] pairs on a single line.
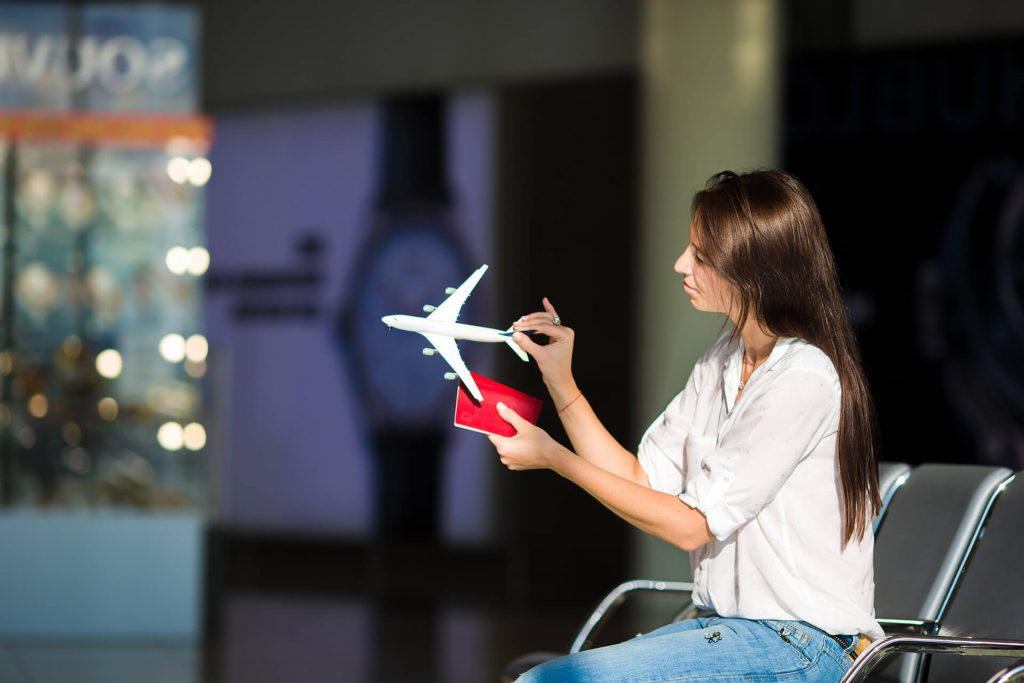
[[132, 130]]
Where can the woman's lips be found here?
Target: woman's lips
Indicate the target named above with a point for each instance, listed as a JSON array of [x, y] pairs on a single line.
[[688, 287]]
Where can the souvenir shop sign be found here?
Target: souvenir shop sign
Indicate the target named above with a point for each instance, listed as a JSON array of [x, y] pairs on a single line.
[[60, 57]]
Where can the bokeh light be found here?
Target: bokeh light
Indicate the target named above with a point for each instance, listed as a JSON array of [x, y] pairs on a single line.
[[27, 437], [178, 168], [199, 171], [198, 260], [177, 260], [38, 405], [109, 363], [107, 408], [172, 348], [77, 460], [171, 436], [196, 348], [72, 433], [194, 436]]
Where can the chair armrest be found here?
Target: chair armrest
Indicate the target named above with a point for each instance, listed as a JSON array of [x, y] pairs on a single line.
[[919, 627], [615, 598], [891, 645], [1011, 674]]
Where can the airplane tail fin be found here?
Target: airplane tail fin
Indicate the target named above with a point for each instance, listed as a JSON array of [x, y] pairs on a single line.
[[515, 347]]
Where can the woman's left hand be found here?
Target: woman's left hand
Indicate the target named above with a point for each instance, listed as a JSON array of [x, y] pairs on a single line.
[[530, 449]]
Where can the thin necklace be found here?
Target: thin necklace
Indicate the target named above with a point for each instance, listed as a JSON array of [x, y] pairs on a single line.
[[743, 383]]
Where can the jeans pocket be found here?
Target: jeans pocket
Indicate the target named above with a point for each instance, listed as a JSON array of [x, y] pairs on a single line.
[[797, 638], [840, 651]]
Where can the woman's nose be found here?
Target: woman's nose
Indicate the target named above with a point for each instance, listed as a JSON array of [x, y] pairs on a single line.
[[682, 263]]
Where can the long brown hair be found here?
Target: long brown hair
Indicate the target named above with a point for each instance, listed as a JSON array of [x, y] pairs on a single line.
[[762, 232]]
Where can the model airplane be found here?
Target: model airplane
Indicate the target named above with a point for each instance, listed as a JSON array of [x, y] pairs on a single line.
[[441, 331]]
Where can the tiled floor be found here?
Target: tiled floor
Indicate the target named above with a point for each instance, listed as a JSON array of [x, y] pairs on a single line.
[[268, 638], [100, 662], [281, 637], [313, 639]]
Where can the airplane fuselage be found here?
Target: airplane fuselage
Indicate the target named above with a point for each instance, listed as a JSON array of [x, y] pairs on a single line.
[[411, 323]]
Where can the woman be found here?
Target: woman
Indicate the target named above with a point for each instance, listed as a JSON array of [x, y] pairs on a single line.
[[763, 467]]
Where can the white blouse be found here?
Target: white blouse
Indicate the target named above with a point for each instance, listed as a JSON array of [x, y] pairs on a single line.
[[764, 471]]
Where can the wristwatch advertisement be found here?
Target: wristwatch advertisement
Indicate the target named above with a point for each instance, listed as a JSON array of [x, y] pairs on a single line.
[[412, 253]]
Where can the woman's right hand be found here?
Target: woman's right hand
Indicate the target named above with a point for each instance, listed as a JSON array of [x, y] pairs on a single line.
[[555, 358]]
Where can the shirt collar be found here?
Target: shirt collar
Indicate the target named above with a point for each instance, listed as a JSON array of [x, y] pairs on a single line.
[[733, 365]]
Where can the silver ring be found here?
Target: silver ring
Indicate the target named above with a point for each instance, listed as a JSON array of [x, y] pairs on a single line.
[[556, 320]]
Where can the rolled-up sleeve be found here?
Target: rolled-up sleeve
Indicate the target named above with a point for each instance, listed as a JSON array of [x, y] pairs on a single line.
[[661, 449], [780, 427]]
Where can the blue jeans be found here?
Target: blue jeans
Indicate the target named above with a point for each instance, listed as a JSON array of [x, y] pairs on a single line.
[[709, 649]]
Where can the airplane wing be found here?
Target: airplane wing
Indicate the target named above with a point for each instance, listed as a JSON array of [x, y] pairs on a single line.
[[449, 310], [450, 352]]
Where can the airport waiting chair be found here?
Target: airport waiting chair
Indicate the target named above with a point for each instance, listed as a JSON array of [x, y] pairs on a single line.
[[1011, 674], [891, 476], [981, 632], [921, 548]]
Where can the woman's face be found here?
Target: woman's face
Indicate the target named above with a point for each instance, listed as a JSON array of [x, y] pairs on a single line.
[[708, 291]]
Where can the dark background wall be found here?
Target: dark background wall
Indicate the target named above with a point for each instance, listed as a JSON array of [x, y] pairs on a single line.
[[262, 50], [915, 156]]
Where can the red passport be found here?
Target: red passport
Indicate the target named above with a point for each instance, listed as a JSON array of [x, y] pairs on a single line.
[[483, 416]]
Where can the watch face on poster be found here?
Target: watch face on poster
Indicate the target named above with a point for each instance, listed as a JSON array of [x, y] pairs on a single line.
[[980, 293], [411, 266]]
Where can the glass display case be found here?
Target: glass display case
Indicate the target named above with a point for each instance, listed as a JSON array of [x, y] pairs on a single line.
[[105, 353], [103, 167]]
